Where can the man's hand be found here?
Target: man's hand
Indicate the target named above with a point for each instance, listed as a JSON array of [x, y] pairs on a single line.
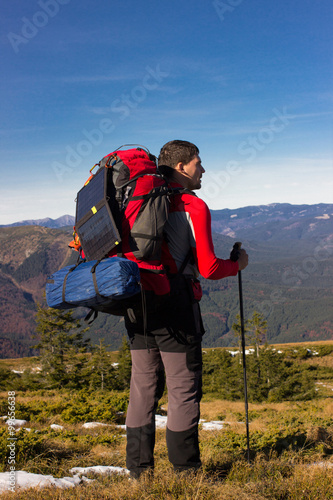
[[239, 255], [243, 259]]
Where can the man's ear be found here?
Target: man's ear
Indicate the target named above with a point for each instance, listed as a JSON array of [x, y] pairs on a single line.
[[180, 167]]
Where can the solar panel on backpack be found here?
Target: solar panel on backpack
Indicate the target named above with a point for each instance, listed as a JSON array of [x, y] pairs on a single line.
[[94, 223]]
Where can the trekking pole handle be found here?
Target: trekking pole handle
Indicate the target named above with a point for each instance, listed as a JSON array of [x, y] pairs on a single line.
[[235, 252]]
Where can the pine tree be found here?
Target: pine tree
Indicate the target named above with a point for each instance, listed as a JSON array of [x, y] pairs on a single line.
[[101, 370], [62, 348], [258, 329]]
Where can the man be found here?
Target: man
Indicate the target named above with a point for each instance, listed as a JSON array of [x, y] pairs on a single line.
[[168, 338]]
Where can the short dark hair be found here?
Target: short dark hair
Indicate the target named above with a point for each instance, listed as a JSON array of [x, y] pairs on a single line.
[[174, 152]]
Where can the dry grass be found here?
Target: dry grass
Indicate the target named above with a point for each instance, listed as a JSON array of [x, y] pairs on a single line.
[[328, 408], [296, 472], [326, 362], [303, 344], [274, 479], [211, 410]]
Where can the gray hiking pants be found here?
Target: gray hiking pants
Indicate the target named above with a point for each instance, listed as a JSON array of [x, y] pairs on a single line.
[[168, 350]]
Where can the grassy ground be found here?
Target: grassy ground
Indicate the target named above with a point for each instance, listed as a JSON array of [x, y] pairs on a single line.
[[291, 457], [291, 449]]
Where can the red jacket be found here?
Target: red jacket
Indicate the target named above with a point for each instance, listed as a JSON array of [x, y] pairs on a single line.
[[189, 226]]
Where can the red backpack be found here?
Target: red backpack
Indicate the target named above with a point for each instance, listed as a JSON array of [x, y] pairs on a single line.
[[122, 210]]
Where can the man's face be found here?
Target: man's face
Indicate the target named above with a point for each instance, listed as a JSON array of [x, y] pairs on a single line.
[[193, 172]]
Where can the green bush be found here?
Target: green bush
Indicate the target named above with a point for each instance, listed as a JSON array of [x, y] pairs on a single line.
[[99, 407], [72, 407], [7, 380], [324, 350], [27, 445]]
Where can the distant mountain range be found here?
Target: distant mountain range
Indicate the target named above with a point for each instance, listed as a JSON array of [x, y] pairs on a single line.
[[263, 221], [274, 222], [65, 220], [289, 279]]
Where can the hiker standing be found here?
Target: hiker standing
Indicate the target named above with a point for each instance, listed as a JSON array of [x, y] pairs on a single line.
[[166, 341]]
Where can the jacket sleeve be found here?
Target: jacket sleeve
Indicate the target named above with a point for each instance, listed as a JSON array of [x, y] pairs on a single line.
[[209, 266]]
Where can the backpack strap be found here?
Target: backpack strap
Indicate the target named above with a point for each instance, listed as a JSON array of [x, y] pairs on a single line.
[[65, 281], [187, 259], [133, 179], [189, 255], [88, 319]]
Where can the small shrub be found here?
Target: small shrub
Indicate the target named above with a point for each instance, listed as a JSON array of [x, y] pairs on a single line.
[[324, 350]]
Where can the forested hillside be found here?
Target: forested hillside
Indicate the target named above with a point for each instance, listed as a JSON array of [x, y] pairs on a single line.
[[289, 283], [27, 255], [289, 279]]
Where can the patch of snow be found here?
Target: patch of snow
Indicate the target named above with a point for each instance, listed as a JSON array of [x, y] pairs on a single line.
[[247, 351], [325, 216], [214, 425], [92, 425], [57, 427], [25, 479], [233, 215], [160, 422], [16, 422], [34, 370], [100, 469]]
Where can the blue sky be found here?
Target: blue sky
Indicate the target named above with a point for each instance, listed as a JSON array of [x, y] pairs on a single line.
[[249, 81]]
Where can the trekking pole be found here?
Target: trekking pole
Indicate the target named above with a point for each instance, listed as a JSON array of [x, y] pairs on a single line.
[[234, 256]]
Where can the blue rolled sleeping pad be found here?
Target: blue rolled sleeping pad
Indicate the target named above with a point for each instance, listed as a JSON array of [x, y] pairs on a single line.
[[109, 285]]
